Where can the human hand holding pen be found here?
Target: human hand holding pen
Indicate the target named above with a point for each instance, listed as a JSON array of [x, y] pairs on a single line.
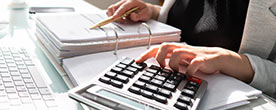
[[146, 11]]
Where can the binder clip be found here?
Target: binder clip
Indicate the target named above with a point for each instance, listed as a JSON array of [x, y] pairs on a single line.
[[117, 42], [150, 34]]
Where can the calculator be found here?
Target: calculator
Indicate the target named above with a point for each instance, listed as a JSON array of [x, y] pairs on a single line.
[[126, 85]]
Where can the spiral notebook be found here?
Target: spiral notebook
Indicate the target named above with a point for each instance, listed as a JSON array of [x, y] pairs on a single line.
[[67, 34]]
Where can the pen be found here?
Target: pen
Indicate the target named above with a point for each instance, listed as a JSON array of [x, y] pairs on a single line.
[[111, 19]]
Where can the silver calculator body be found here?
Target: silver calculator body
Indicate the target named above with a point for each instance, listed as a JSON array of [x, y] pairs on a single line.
[[140, 90]]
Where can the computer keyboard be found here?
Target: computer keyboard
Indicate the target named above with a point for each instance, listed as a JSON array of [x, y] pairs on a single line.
[[129, 86], [21, 84]]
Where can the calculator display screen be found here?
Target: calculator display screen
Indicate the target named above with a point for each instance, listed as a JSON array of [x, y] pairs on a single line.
[[123, 99]]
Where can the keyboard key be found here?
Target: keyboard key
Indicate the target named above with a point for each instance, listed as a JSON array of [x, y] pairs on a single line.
[[10, 90], [19, 83], [44, 91], [169, 86], [127, 61], [47, 97], [155, 67], [152, 71], [181, 106], [147, 94], [37, 77], [21, 88], [132, 69], [190, 87], [23, 94], [144, 78], [156, 82], [151, 88], [139, 84], [160, 98], [15, 73], [165, 93], [116, 69], [128, 73], [139, 66], [110, 74], [122, 78], [162, 78], [164, 74], [134, 89], [30, 85], [116, 83], [13, 96], [26, 100], [148, 74], [35, 96], [185, 99], [174, 82], [33, 91], [193, 84], [187, 92], [120, 65], [51, 103], [105, 80], [14, 102]]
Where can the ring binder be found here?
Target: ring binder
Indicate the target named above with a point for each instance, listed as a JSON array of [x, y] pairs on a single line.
[[150, 33], [117, 41]]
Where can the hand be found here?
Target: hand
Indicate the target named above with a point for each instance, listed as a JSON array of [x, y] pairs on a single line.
[[208, 60], [146, 12]]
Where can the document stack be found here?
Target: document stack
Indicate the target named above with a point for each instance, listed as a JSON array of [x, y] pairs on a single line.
[[67, 35]]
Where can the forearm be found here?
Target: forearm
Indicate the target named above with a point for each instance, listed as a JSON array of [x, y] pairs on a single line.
[[237, 65], [155, 11]]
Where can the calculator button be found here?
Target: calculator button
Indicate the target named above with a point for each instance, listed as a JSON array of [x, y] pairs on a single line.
[[160, 98], [122, 78], [110, 74], [185, 99], [181, 106], [187, 92], [156, 82], [165, 93], [144, 78], [139, 66], [169, 86], [134, 89], [139, 84], [151, 88], [105, 80], [128, 73], [152, 71], [195, 79], [148, 74], [117, 69], [167, 71], [174, 82], [162, 78], [120, 65], [155, 67], [147, 94], [193, 84], [116, 83], [190, 87], [132, 69], [164, 74], [127, 61]]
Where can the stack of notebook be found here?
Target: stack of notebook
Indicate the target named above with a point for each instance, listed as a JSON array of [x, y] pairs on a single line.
[[67, 35]]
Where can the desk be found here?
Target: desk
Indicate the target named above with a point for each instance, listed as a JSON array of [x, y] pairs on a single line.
[[27, 39]]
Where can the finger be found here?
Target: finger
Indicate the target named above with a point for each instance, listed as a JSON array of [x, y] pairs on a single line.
[[140, 16], [146, 55], [177, 56], [164, 51], [127, 6], [194, 65], [112, 8]]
